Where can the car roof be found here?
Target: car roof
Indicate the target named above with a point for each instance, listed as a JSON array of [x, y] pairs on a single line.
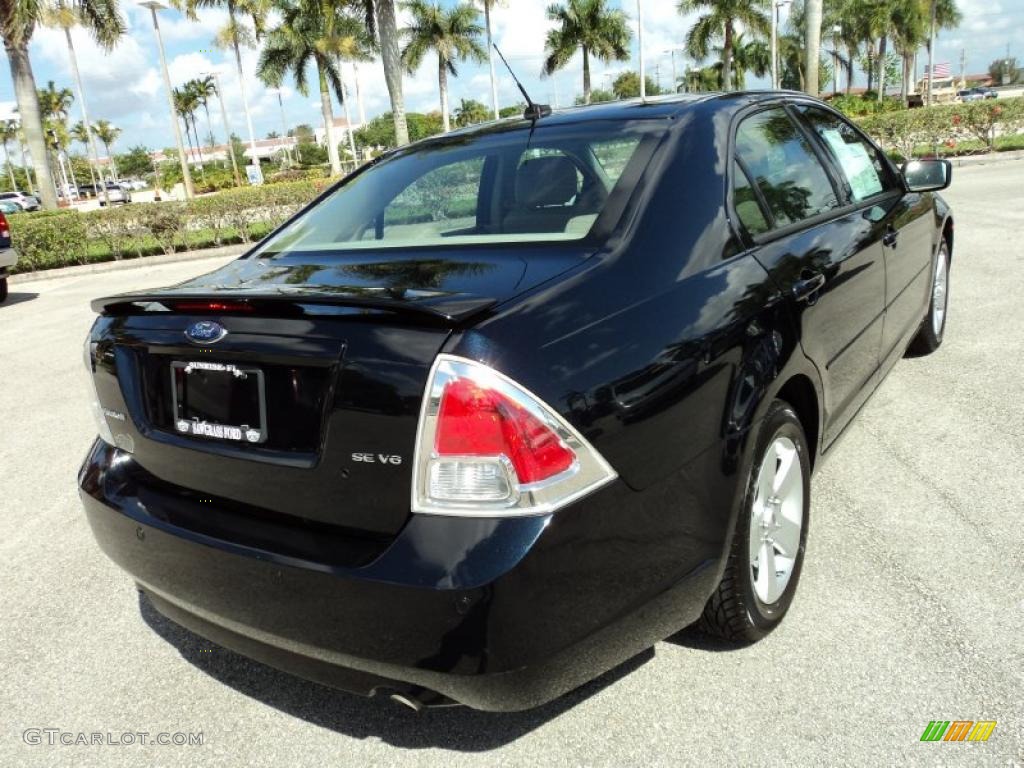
[[656, 107]]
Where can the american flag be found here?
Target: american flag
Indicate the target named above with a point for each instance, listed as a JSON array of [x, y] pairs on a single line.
[[941, 70]]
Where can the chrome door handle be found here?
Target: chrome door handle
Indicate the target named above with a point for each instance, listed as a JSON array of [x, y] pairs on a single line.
[[805, 288]]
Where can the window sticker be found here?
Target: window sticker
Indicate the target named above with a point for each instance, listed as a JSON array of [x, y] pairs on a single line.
[[856, 164]]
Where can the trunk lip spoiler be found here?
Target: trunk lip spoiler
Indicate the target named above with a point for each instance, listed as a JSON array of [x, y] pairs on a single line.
[[449, 307]]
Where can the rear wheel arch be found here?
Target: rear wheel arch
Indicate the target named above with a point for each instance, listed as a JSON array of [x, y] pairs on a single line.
[[800, 394]]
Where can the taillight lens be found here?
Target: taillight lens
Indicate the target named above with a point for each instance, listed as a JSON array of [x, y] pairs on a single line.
[[89, 355], [486, 446], [5, 228]]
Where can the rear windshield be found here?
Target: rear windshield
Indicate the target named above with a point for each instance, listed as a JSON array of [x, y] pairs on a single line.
[[507, 186]]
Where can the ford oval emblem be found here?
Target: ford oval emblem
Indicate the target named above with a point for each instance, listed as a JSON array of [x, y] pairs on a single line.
[[205, 332]]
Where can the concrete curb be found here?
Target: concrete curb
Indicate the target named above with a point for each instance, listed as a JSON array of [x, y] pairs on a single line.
[[135, 263], [988, 157]]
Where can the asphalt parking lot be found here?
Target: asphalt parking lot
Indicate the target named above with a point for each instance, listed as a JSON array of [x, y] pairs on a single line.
[[910, 608]]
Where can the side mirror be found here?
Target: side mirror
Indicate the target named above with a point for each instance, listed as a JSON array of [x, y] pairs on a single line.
[[927, 175]]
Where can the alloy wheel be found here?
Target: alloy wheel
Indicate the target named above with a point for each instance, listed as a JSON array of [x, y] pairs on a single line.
[[776, 518]]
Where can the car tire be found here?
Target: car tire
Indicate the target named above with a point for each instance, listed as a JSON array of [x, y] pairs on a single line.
[[933, 327], [3, 289], [750, 600]]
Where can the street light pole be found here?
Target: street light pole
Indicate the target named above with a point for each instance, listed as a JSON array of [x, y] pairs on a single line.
[[227, 129], [640, 47], [186, 175], [776, 7]]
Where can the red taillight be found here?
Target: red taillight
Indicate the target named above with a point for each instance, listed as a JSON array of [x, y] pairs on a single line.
[[480, 422], [488, 447], [5, 228], [204, 307]]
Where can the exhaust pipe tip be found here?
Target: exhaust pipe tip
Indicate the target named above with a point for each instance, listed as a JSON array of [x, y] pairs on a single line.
[[404, 700]]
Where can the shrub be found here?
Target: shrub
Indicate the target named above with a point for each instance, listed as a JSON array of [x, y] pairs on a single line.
[[165, 222], [945, 124], [49, 239]]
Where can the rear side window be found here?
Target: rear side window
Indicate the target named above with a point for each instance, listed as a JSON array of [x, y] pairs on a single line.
[[860, 162], [783, 166], [748, 207]]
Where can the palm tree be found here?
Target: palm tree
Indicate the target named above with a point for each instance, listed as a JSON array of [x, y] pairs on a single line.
[[81, 134], [233, 36], [452, 33], [487, 6], [205, 89], [54, 104], [8, 132], [719, 23], [66, 14], [589, 26], [749, 57], [108, 133], [470, 112], [185, 105], [311, 32], [18, 21], [382, 24]]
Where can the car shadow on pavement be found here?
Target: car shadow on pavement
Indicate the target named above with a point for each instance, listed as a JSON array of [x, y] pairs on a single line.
[[455, 728], [18, 297], [691, 637]]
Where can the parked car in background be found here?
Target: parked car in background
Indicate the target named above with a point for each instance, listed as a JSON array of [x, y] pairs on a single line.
[[8, 207], [116, 193], [985, 92], [978, 93], [135, 184], [8, 256], [513, 404], [26, 202]]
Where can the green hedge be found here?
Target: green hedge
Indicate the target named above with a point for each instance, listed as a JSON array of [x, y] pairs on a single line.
[[49, 239], [977, 124]]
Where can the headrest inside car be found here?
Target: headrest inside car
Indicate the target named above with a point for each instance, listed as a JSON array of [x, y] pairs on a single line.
[[543, 182]]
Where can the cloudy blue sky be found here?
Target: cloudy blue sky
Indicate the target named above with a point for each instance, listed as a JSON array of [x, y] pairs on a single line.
[[125, 87]]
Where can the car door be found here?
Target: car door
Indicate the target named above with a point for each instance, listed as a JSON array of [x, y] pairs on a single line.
[[824, 254], [901, 218]]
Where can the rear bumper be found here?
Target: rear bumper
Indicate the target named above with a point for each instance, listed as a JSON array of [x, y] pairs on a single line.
[[496, 614], [8, 258]]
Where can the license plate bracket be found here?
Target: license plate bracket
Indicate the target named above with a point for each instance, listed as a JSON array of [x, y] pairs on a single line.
[[219, 401]]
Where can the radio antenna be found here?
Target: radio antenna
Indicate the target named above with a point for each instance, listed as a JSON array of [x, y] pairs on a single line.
[[533, 111]]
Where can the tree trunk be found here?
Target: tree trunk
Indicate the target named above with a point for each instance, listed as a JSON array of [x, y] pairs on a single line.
[[586, 75], [849, 72], [28, 171], [245, 103], [387, 30], [90, 145], [328, 113], [10, 168], [359, 95], [442, 86], [31, 120], [905, 85], [882, 44], [490, 58], [727, 57], [209, 127], [348, 117], [812, 45], [871, 67]]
